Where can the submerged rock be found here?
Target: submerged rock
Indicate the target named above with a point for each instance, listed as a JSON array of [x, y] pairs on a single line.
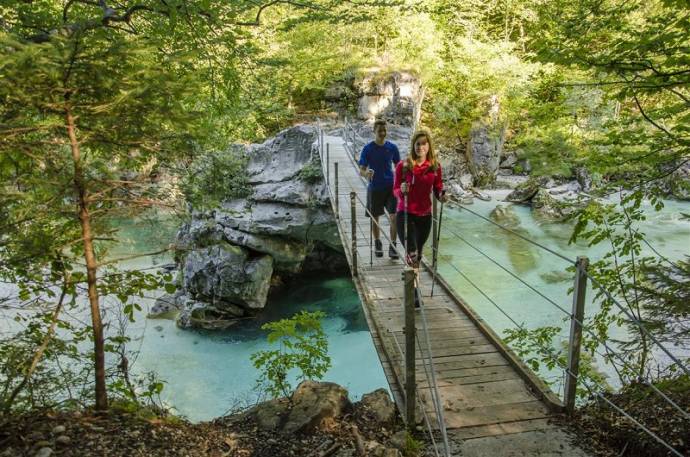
[[547, 207], [505, 215]]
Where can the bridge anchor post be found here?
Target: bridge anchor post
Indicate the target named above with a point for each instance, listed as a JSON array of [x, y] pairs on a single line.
[[575, 342], [410, 330], [353, 223]]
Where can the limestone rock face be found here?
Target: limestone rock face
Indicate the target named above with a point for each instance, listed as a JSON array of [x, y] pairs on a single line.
[[379, 405], [314, 402], [228, 256], [281, 158], [485, 145], [224, 273], [395, 96]]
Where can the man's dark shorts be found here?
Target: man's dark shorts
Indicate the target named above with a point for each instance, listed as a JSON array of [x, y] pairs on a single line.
[[378, 200]]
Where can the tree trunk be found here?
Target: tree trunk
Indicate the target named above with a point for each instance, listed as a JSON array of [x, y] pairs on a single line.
[[91, 265]]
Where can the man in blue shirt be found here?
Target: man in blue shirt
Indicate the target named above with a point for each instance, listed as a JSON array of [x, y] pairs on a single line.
[[376, 164]]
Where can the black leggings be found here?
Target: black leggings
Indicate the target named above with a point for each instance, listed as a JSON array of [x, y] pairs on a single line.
[[418, 229]]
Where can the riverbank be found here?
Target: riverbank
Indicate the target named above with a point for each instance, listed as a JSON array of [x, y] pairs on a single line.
[[320, 421]]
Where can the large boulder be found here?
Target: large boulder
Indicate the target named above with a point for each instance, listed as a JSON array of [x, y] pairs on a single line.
[[226, 274], [228, 255], [546, 207], [583, 177], [524, 192], [313, 403], [378, 404]]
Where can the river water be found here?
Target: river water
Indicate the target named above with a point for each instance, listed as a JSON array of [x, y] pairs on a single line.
[[208, 373], [667, 232]]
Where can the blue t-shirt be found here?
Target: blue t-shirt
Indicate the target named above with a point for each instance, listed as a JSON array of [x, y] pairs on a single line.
[[380, 159]]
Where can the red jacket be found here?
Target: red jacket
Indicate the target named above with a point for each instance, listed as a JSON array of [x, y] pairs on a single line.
[[420, 181]]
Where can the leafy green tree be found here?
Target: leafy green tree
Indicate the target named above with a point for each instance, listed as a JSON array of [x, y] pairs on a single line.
[[302, 346]]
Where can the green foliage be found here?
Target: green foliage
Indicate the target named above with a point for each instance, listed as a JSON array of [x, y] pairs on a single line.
[[311, 173], [216, 176], [302, 346], [412, 446]]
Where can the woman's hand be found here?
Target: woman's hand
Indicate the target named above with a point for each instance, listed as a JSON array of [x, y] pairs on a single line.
[[403, 188]]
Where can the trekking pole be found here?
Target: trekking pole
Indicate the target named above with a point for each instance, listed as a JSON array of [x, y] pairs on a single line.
[[438, 241]]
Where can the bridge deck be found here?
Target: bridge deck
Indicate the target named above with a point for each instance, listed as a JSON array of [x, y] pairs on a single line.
[[485, 390]]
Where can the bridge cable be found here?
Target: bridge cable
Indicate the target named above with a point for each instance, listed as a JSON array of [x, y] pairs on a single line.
[[576, 377], [569, 314], [441, 421], [557, 254]]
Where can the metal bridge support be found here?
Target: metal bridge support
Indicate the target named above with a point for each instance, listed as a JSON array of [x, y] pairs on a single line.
[[576, 320], [335, 188], [353, 223], [434, 231], [410, 333]]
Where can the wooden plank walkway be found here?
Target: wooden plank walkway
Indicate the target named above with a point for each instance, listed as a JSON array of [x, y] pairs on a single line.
[[485, 389]]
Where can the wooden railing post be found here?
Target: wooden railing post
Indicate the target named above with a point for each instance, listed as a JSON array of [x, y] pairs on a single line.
[[575, 343], [410, 378], [328, 163], [353, 223], [335, 188]]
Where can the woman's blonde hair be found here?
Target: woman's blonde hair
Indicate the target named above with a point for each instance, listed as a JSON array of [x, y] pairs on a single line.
[[431, 155]]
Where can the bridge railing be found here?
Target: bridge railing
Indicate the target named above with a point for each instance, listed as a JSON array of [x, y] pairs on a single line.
[[412, 338], [578, 326], [574, 314]]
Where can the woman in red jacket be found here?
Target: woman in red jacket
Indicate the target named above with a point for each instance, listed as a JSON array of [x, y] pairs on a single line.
[[416, 177]]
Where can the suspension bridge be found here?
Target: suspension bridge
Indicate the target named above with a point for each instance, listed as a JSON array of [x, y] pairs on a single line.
[[453, 374]]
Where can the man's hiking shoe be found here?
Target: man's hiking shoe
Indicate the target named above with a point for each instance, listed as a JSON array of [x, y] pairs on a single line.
[[378, 248], [392, 253], [417, 301]]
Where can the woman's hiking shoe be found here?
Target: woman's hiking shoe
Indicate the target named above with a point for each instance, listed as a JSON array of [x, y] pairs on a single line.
[[392, 253], [378, 248]]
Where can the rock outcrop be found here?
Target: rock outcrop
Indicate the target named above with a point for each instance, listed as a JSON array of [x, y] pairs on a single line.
[[679, 183], [228, 256], [394, 96], [485, 146]]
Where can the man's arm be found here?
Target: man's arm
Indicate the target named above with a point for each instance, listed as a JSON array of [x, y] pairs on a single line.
[[364, 169]]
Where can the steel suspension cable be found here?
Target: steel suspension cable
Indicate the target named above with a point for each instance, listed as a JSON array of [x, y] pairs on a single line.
[[637, 322], [569, 314], [557, 254], [576, 377]]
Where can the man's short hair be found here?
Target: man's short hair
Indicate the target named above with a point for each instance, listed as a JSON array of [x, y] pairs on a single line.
[[379, 121]]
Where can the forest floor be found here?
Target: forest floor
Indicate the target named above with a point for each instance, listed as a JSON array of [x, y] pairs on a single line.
[[120, 433], [608, 433]]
